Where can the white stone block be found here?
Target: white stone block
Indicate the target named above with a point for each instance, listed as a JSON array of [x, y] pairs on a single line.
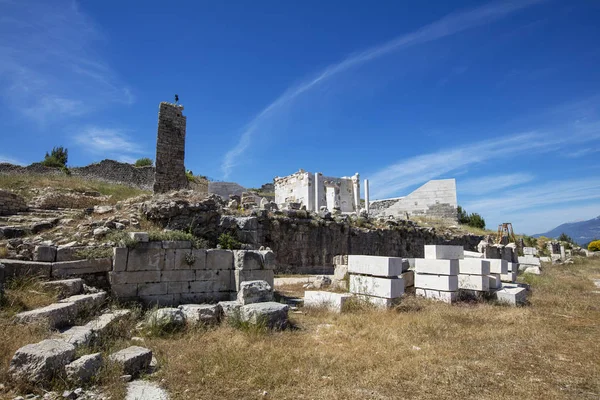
[[474, 266], [436, 267], [446, 297], [509, 277], [473, 254], [480, 283], [513, 267], [375, 265], [448, 283], [440, 252], [494, 281], [512, 295], [498, 266], [529, 251], [139, 236], [389, 288], [530, 260], [332, 301], [379, 302], [409, 278]]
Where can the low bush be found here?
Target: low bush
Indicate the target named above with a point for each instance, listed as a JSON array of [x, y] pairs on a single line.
[[594, 246], [228, 241], [143, 162]]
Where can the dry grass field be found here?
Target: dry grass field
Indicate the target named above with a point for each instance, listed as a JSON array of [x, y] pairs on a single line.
[[422, 349]]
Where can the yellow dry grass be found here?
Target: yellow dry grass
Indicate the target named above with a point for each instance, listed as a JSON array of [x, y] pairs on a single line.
[[421, 350]]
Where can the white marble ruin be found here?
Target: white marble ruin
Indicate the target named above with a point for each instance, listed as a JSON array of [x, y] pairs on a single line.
[[315, 191]]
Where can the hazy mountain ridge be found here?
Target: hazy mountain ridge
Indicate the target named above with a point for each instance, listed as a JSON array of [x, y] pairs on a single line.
[[581, 232]]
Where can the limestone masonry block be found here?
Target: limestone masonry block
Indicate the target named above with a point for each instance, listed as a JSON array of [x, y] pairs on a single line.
[[65, 287], [120, 259], [145, 289], [509, 277], [170, 149], [145, 260], [253, 275], [124, 290], [494, 281], [219, 259], [409, 278], [375, 265], [139, 236], [512, 295], [55, 315], [498, 266], [134, 277], [248, 260], [77, 335], [448, 283], [176, 244], [201, 313], [479, 283], [199, 256], [133, 359], [390, 288], [178, 287], [441, 252], [230, 308], [44, 253], [254, 292], [513, 267], [446, 297], [474, 266], [86, 303], [380, 302], [437, 267], [340, 272], [332, 301], [84, 368], [81, 267], [274, 315], [472, 254], [177, 259], [178, 276], [40, 362]]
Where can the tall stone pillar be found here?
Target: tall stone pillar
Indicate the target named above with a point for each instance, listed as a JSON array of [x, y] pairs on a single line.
[[170, 149], [318, 186], [367, 195], [356, 190]]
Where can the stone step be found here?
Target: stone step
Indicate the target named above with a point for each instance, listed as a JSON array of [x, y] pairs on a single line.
[[134, 360], [84, 335], [65, 287], [64, 312]]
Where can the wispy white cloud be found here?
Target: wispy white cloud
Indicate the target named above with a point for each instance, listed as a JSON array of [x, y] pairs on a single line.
[[49, 64], [109, 143], [492, 183], [447, 26], [582, 152], [10, 160]]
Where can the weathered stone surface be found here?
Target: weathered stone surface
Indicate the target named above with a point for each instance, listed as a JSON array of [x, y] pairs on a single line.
[[254, 292], [273, 315], [101, 324], [375, 265], [389, 288], [230, 308], [84, 368], [247, 260], [320, 282], [437, 267], [166, 317], [86, 303], [77, 335], [134, 359], [512, 295], [474, 266], [44, 253], [441, 252], [65, 269], [409, 278], [479, 283], [170, 149], [40, 362], [440, 295], [145, 390], [139, 236], [253, 275], [447, 283], [533, 270], [201, 313], [495, 281], [55, 315], [65, 287], [16, 268], [332, 301], [11, 203]]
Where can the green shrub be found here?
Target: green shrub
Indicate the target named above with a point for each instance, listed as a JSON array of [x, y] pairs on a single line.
[[143, 162], [57, 158], [190, 176], [594, 246], [229, 242], [474, 220]]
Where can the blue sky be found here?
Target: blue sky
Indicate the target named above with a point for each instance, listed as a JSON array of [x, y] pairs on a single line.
[[503, 96]]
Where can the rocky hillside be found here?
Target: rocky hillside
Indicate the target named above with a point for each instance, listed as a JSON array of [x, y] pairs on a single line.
[[582, 232]]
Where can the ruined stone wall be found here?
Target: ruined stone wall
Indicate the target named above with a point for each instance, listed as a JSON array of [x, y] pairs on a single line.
[[107, 171], [11, 203], [170, 149], [225, 189], [172, 273]]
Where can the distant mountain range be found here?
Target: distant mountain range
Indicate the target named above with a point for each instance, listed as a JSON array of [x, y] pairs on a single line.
[[581, 232]]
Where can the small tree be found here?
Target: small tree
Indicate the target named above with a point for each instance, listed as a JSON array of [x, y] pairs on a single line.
[[594, 246], [143, 162], [475, 220], [57, 158]]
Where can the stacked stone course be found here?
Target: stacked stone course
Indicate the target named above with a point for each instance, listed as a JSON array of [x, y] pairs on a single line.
[[11, 203]]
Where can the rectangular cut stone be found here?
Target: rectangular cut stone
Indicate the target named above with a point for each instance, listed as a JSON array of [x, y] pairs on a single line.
[[178, 259], [512, 295], [120, 259], [529, 251], [474, 266], [140, 259], [134, 277], [199, 259], [253, 275], [498, 266], [389, 288], [206, 297], [219, 259], [472, 254], [446, 297], [81, 267], [340, 272], [55, 315], [145, 289], [203, 287], [480, 283], [437, 267], [509, 277], [513, 267], [448, 283], [65, 287], [124, 290], [139, 236], [530, 260], [332, 301], [494, 281], [409, 278], [178, 287], [178, 276], [442, 252], [375, 265], [248, 260], [176, 244], [380, 302], [134, 359], [159, 300]]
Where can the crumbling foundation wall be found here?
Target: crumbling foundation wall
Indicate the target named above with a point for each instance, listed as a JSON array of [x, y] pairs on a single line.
[[170, 149]]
